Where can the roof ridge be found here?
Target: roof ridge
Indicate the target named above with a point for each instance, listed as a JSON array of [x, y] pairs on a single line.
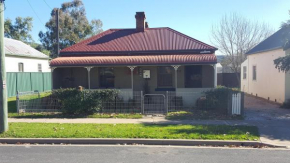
[[182, 34]]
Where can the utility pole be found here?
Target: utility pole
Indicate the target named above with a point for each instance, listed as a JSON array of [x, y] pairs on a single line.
[[57, 31], [3, 88]]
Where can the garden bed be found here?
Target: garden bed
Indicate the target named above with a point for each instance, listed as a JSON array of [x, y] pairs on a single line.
[[152, 131], [60, 115]]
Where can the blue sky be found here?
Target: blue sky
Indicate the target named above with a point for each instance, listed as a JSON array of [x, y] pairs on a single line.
[[190, 17]]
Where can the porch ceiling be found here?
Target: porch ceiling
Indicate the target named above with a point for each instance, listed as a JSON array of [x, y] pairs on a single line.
[[180, 59]]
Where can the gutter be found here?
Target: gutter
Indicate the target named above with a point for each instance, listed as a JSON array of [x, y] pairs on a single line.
[[23, 56], [114, 141]]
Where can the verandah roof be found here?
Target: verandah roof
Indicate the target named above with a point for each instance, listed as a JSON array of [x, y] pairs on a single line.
[[181, 59]]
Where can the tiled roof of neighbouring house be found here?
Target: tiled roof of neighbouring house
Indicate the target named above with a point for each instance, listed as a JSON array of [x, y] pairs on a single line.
[[129, 41], [273, 42], [135, 60], [18, 48]]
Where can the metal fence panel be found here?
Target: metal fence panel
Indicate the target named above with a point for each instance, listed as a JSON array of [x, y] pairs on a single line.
[[37, 81], [11, 84], [28, 81], [46, 81], [24, 82]]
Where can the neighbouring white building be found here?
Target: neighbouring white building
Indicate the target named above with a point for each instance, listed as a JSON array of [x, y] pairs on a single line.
[[259, 76], [21, 57]]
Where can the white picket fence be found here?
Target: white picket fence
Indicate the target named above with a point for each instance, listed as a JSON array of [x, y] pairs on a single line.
[[236, 104]]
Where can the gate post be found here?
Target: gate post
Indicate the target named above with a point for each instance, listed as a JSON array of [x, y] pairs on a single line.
[[167, 102], [142, 103], [17, 101]]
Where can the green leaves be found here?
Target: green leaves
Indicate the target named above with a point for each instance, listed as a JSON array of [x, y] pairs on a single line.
[[20, 30], [73, 25], [84, 102], [283, 63]]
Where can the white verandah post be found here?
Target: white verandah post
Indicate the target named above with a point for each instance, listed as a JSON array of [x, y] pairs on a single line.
[[175, 68], [89, 76], [132, 75], [215, 75]]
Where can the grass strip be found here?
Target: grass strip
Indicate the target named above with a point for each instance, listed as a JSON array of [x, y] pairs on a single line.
[[153, 131]]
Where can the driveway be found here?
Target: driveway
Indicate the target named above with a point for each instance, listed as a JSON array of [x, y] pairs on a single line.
[[273, 122]]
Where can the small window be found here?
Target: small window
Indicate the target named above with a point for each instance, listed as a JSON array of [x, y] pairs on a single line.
[[20, 67], [164, 78], [244, 72], [254, 72], [107, 77], [39, 67]]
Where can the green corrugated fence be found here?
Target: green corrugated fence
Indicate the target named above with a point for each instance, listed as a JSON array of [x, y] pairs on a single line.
[[28, 81]]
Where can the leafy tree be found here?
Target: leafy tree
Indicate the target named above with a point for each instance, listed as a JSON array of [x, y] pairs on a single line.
[[73, 24], [283, 63], [234, 35], [20, 30]]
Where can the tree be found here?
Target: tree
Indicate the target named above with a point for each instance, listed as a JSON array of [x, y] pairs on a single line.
[[73, 24], [20, 30], [283, 63], [234, 35]]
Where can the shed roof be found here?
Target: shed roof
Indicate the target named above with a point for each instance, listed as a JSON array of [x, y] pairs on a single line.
[[18, 48]]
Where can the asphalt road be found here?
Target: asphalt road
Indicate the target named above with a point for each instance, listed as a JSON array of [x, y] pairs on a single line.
[[139, 154]]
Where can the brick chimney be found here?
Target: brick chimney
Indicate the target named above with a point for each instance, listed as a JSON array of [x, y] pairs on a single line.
[[140, 21]]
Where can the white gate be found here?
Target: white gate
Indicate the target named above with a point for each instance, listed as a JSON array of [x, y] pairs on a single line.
[[154, 104], [236, 103]]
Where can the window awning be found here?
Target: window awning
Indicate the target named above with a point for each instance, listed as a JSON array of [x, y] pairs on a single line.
[[180, 59]]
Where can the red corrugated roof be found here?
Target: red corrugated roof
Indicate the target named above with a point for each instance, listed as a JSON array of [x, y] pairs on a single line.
[[135, 60], [129, 40]]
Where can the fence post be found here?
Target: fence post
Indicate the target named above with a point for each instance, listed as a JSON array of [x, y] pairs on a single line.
[[142, 102], [242, 103], [230, 97], [167, 102], [17, 101]]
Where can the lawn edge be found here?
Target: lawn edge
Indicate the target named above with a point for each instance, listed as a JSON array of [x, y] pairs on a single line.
[[114, 141]]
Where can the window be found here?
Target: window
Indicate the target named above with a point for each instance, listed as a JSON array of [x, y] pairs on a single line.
[[244, 72], [164, 77], [193, 76], [20, 67], [254, 72], [107, 77], [39, 67]]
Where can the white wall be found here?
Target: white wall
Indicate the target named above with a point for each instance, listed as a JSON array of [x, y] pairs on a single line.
[[30, 65], [270, 82]]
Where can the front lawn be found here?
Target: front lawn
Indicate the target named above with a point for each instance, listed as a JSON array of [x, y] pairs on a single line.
[[60, 115], [153, 131], [200, 115]]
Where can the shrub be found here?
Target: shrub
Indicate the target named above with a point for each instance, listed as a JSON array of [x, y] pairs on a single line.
[[216, 99], [74, 101]]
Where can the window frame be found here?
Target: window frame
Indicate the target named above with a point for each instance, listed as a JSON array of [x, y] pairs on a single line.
[[244, 72], [20, 66], [254, 73], [39, 67], [198, 69], [161, 76], [103, 77]]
